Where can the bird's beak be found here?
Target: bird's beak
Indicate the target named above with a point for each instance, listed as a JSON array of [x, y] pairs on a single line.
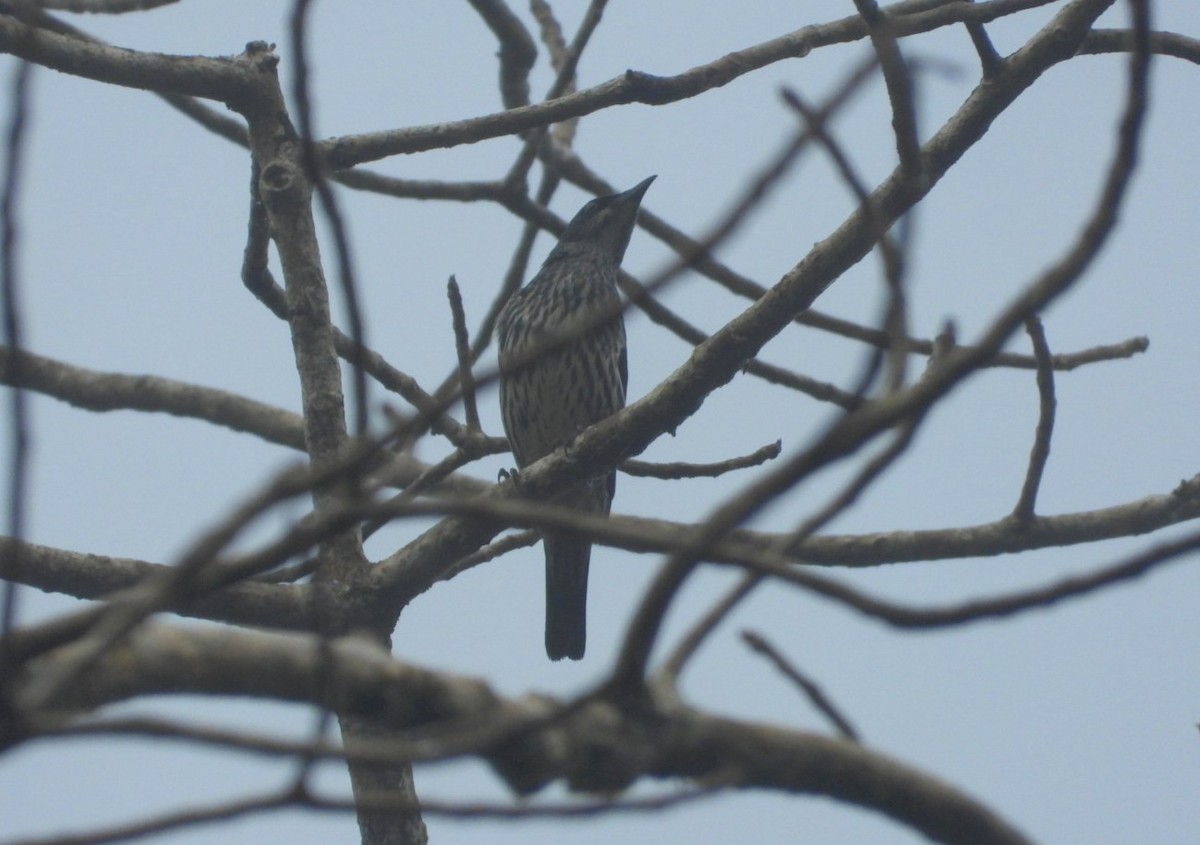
[[624, 210], [634, 194]]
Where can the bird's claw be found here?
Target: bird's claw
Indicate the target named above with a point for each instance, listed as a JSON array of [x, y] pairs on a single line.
[[510, 474]]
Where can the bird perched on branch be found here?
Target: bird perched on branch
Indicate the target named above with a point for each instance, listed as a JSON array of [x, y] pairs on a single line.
[[563, 368]]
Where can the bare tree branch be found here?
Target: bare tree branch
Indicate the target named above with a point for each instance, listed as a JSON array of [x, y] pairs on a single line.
[[811, 690], [462, 347], [1053, 44], [623, 745], [15, 140], [678, 469], [1040, 451], [634, 87], [517, 50]]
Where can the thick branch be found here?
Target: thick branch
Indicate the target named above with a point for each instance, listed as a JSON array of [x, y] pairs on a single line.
[[230, 80], [598, 747], [89, 576], [98, 391]]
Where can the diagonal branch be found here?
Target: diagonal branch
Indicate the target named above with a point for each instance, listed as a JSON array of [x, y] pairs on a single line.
[[744, 335]]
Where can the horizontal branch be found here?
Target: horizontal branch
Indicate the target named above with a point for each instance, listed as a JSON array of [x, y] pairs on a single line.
[[1005, 536], [226, 79], [93, 390], [684, 469], [912, 17], [1122, 41], [97, 391], [597, 746], [90, 576]]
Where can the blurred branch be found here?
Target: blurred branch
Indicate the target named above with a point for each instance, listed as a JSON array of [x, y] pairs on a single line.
[[1172, 44], [565, 62], [517, 50], [702, 629], [1053, 44], [16, 139], [891, 252], [105, 7], [896, 76], [314, 283], [623, 745]]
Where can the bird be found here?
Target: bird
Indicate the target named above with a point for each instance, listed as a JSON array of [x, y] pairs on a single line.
[[548, 397]]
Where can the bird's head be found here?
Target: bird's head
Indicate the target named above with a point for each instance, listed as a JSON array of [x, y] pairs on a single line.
[[605, 223]]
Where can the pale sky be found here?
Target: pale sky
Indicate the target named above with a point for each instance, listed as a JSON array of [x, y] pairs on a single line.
[[1077, 724]]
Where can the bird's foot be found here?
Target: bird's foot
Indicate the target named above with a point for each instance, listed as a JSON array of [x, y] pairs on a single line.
[[511, 474]]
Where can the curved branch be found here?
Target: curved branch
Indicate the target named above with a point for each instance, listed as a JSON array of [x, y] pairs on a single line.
[[911, 18], [1055, 43], [90, 576], [597, 746], [517, 50], [96, 391], [683, 469], [229, 80], [93, 390], [753, 548], [1123, 41]]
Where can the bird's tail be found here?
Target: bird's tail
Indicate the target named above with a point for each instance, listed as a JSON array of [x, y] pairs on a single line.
[[566, 595]]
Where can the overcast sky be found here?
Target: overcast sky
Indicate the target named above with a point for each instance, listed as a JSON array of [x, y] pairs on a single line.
[[1078, 724]]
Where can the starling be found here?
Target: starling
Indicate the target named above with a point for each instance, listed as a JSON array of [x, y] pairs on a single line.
[[579, 380]]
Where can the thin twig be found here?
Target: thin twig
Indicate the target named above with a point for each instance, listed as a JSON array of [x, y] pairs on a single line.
[[517, 51], [1047, 403], [690, 644], [990, 61], [814, 693], [680, 469], [892, 254], [256, 271], [862, 479], [454, 461], [462, 347], [899, 83], [506, 544]]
